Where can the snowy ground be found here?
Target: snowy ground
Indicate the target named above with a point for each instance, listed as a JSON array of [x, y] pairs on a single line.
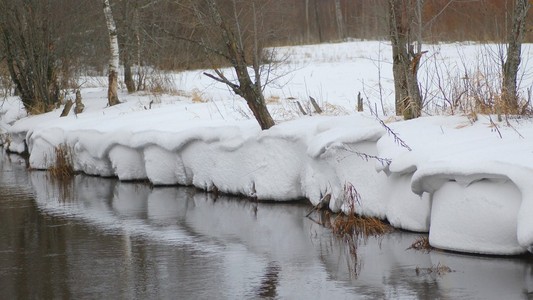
[[465, 181]]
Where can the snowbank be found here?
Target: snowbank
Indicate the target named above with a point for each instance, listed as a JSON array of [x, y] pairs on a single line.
[[460, 182], [478, 182], [11, 110], [309, 157]]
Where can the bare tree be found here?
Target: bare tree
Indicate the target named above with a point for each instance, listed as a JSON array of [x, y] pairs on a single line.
[[405, 59], [28, 47], [234, 35], [512, 62], [112, 94]]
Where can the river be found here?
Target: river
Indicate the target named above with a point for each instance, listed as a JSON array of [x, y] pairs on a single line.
[[102, 238]]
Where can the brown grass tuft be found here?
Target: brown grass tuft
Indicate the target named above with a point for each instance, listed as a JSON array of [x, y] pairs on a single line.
[[63, 169], [198, 97], [355, 225]]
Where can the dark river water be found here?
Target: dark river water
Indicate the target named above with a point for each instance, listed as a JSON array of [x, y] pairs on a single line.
[[101, 238]]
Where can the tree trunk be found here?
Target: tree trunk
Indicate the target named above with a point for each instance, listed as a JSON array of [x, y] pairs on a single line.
[[512, 62], [128, 75], [307, 25], [256, 102], [398, 42], [317, 20], [78, 109], [339, 19], [405, 63], [112, 94], [66, 109]]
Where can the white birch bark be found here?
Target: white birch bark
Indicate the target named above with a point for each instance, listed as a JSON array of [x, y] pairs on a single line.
[[112, 95]]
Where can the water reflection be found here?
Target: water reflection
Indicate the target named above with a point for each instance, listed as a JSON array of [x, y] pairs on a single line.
[[103, 238]]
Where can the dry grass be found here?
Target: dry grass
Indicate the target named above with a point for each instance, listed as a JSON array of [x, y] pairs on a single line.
[[273, 100], [354, 225], [359, 226], [40, 108], [472, 87], [198, 97], [63, 169], [421, 244], [159, 83]]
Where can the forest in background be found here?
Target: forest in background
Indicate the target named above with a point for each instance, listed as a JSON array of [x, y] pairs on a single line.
[[77, 29], [65, 39]]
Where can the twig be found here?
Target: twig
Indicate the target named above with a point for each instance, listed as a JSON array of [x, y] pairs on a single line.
[[515, 130], [390, 132], [495, 127], [367, 157], [324, 202]]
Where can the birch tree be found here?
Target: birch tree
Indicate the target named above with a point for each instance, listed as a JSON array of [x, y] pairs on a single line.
[[512, 62], [112, 94]]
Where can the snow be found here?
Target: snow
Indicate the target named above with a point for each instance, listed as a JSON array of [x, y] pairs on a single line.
[[465, 181], [495, 225], [11, 109]]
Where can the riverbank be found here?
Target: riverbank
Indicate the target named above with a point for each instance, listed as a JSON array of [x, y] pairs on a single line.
[[462, 178]]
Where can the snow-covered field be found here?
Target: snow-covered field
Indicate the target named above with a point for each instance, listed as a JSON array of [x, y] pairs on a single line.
[[464, 180]]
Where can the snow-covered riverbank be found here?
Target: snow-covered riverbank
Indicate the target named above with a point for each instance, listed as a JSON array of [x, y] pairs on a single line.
[[465, 181]]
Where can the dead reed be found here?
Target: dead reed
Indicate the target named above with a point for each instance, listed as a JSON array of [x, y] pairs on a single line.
[[359, 226], [63, 169]]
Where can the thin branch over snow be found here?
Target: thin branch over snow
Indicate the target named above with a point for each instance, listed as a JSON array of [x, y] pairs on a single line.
[[390, 132], [367, 157]]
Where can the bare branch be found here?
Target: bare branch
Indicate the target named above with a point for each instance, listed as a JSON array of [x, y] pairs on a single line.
[[222, 79], [390, 132], [199, 43]]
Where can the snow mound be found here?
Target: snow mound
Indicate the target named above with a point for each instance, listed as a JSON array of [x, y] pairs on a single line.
[[477, 179], [310, 157]]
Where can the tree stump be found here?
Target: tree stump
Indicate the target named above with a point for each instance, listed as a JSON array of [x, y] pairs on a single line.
[[78, 109], [66, 109]]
